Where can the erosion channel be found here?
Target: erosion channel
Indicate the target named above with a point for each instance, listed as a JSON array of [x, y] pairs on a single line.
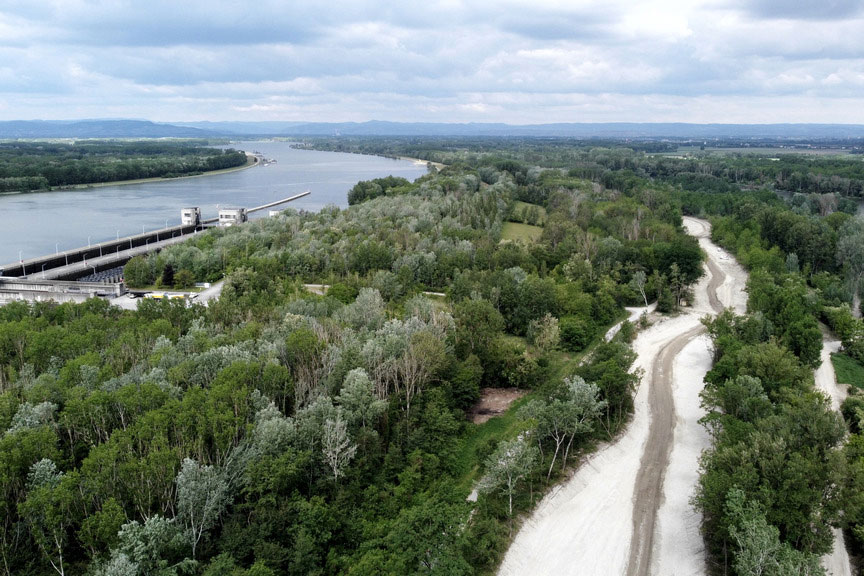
[[626, 510]]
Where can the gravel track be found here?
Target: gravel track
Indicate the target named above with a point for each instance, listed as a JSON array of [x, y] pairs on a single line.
[[648, 492], [604, 520], [837, 562]]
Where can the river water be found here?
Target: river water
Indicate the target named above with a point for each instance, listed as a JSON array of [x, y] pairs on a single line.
[[39, 223]]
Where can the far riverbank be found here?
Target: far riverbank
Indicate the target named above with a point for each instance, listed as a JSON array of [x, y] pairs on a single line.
[[251, 161], [417, 161]]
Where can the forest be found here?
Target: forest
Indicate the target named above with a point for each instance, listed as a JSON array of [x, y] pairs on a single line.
[[279, 431], [34, 166]]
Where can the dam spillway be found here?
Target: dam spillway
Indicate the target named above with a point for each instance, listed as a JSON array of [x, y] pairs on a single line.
[[71, 264], [95, 258]]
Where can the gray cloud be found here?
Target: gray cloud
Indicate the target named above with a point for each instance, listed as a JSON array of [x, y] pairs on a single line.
[[443, 60], [804, 9]]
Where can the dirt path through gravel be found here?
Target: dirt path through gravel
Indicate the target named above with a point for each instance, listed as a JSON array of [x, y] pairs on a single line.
[[604, 519], [837, 562], [648, 494], [655, 459]]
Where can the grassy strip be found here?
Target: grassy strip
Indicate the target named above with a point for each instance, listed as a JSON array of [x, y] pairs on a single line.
[[508, 424], [520, 210], [848, 370], [503, 427], [520, 232]]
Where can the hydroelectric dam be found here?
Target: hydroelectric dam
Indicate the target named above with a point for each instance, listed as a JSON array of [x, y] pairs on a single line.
[[57, 276]]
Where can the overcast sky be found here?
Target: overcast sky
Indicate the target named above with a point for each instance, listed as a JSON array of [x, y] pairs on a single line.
[[537, 61]]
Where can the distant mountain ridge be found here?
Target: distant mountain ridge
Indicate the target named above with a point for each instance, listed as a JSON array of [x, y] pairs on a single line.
[[601, 130], [565, 130], [97, 129], [121, 128]]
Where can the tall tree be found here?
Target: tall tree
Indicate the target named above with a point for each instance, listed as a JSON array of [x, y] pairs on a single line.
[[336, 445], [512, 461], [203, 494]]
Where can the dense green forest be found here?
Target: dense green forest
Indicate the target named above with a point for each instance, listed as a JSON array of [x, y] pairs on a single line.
[[28, 166], [283, 432], [781, 472], [826, 182]]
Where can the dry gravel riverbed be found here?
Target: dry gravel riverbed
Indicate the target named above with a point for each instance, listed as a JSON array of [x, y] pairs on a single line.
[[626, 510]]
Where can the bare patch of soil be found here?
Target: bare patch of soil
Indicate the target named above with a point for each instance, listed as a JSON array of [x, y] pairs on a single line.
[[494, 401]]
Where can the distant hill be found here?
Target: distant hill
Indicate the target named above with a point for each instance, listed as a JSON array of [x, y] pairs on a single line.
[[98, 129], [624, 130], [244, 128], [599, 130]]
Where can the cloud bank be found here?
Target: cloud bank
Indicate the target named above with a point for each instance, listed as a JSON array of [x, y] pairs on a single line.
[[747, 61]]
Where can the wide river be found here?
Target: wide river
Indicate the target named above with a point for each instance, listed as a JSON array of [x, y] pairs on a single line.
[[39, 223]]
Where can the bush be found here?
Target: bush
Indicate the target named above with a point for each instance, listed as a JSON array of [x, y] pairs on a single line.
[[576, 333], [342, 292], [853, 412], [184, 279], [139, 272], [168, 275], [840, 320], [666, 301], [465, 384], [509, 365]]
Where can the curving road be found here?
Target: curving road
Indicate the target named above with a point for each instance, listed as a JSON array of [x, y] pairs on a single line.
[[626, 510]]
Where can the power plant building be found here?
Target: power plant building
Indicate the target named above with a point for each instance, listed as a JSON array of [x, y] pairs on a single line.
[[232, 216], [190, 216]]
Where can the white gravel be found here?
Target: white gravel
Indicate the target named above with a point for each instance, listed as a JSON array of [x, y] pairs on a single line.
[[679, 548], [826, 381], [837, 562], [678, 545], [732, 293], [584, 526]]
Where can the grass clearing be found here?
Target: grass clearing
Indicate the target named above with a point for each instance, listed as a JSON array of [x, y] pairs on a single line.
[[848, 370], [521, 212], [502, 427], [513, 231]]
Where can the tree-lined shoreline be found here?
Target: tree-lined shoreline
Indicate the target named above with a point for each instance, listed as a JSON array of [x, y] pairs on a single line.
[[43, 166]]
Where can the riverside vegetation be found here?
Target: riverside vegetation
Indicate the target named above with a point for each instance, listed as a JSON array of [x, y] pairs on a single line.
[[33, 166], [283, 432], [780, 473]]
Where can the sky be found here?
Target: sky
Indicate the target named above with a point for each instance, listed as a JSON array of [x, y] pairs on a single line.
[[519, 62]]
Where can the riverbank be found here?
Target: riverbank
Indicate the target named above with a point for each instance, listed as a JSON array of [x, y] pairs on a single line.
[[421, 162], [416, 161], [251, 161]]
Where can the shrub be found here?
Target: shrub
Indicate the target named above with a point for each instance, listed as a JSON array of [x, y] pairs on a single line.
[[576, 333]]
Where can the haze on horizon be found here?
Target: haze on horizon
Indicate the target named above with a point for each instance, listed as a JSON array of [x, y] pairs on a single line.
[[701, 61]]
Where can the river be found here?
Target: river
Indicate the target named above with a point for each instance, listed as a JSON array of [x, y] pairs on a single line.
[[39, 223]]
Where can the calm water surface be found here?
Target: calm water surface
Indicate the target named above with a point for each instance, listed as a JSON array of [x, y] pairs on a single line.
[[38, 223]]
